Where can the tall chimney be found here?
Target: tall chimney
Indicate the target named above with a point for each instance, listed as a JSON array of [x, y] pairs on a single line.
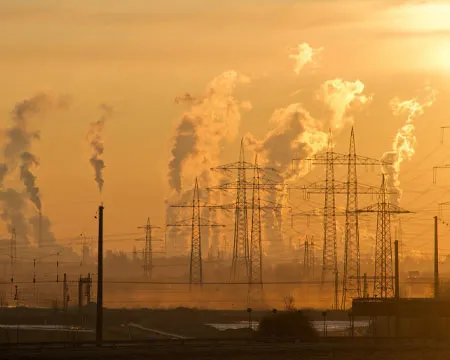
[[436, 259], [99, 327], [40, 230], [397, 280]]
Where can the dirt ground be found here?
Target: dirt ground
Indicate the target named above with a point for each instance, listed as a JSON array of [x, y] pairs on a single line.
[[248, 352]]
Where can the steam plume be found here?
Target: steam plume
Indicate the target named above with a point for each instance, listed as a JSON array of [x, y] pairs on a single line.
[[303, 55], [295, 134], [96, 142], [204, 127], [339, 95], [403, 146]]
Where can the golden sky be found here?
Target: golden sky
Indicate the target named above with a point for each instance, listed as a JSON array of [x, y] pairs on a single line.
[[138, 56]]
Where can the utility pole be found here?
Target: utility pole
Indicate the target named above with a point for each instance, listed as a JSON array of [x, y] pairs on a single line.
[[65, 293], [336, 290], [436, 259], [99, 327], [366, 287], [40, 230], [397, 271], [308, 259], [13, 252]]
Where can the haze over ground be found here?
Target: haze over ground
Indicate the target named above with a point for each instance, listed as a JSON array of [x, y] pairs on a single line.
[[139, 56]]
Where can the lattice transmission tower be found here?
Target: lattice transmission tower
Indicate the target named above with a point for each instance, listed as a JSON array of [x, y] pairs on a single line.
[[351, 279], [240, 263], [383, 277], [195, 266], [148, 248], [256, 276], [329, 257], [195, 224], [240, 258]]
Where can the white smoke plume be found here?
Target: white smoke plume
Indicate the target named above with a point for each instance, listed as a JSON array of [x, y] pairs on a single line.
[[209, 122], [295, 134], [304, 54], [340, 95], [96, 142], [404, 144]]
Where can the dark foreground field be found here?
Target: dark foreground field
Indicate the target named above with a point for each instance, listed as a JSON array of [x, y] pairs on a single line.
[[241, 352], [181, 321]]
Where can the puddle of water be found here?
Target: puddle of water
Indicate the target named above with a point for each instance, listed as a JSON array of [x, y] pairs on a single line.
[[318, 325]]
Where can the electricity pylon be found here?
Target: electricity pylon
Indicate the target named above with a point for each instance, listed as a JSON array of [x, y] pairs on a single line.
[[148, 248], [240, 263], [351, 189], [196, 259], [329, 258], [383, 278], [196, 268], [255, 288], [351, 283]]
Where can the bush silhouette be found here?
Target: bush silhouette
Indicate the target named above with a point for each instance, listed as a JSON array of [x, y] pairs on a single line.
[[290, 324]]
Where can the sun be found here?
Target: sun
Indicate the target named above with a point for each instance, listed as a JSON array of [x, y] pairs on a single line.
[[428, 25]]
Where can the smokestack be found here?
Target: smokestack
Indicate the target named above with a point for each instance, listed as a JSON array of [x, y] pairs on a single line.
[[40, 230], [397, 282], [436, 259], [99, 327]]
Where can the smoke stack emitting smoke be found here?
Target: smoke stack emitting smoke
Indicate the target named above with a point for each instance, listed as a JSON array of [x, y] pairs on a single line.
[[403, 146], [96, 142], [17, 152]]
